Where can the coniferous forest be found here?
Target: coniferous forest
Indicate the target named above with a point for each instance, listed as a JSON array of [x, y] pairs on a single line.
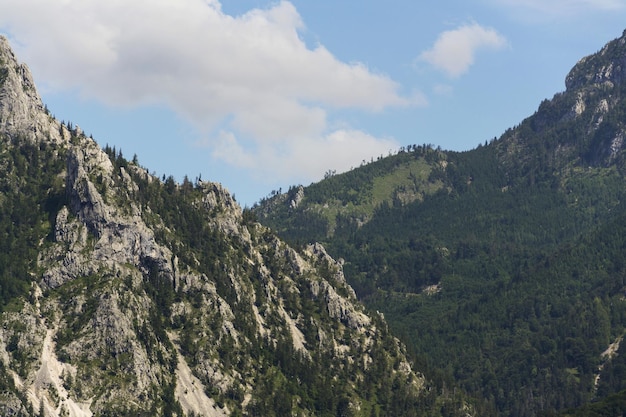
[[502, 268]]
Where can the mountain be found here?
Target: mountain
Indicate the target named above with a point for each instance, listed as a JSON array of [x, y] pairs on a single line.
[[125, 294], [502, 268]]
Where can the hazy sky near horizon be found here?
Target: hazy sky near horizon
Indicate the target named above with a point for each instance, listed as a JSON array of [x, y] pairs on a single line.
[[260, 95]]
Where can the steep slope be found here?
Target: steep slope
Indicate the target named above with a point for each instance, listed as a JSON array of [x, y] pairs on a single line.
[[125, 295], [342, 202], [583, 125], [505, 268]]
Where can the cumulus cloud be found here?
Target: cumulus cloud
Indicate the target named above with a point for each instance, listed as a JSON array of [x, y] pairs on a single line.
[[454, 51], [306, 158], [246, 76]]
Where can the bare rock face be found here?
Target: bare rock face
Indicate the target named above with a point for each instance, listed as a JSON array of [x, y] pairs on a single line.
[[22, 112], [591, 79], [297, 199], [581, 124], [86, 200], [97, 235], [161, 299], [598, 69]]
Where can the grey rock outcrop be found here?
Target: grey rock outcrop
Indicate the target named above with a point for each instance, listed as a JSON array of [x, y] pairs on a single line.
[[125, 316], [297, 199], [22, 112], [598, 70], [583, 122]]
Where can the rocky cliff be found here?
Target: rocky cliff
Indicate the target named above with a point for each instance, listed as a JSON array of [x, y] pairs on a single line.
[[584, 124], [148, 297]]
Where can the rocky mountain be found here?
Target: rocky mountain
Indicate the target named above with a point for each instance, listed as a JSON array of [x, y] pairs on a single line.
[[124, 294], [501, 267], [584, 124]]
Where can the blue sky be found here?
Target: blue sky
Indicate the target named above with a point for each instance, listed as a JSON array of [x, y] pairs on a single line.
[[260, 95]]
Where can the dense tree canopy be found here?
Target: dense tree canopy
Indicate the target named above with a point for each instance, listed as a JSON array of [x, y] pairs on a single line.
[[502, 267]]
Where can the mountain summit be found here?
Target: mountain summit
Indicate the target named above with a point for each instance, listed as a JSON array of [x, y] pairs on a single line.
[[605, 68], [126, 295], [584, 124]]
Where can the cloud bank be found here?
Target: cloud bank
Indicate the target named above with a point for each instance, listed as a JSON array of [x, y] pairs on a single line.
[[249, 83], [454, 51]]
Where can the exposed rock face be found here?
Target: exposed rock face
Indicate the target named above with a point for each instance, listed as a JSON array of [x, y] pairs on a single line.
[[599, 70], [127, 317], [593, 75], [297, 199], [21, 109], [586, 113], [591, 78]]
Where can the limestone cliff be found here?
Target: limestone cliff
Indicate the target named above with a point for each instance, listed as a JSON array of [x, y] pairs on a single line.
[[156, 298], [582, 125]]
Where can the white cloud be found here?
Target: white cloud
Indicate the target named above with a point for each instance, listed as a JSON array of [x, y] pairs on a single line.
[[246, 76], [443, 89], [305, 159], [454, 51]]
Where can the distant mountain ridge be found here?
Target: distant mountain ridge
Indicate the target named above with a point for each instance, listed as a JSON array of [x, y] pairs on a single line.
[[502, 266], [122, 294], [591, 103]]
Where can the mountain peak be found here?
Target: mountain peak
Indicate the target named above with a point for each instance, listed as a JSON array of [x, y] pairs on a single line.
[[22, 112], [606, 67], [121, 294], [582, 125]]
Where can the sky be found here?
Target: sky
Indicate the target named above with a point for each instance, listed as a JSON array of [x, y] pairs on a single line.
[[262, 95]]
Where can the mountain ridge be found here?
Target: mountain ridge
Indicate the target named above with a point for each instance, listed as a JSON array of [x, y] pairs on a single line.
[[581, 101], [492, 258], [126, 295]]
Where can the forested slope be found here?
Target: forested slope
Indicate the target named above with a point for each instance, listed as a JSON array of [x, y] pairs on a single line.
[[123, 294], [501, 267]]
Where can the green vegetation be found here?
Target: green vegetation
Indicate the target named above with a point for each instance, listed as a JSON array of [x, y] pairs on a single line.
[[506, 273], [501, 320], [286, 380], [30, 196], [345, 200], [525, 302], [611, 406], [502, 269]]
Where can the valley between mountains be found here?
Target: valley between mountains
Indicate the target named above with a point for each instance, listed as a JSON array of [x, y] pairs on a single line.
[[124, 294], [426, 283]]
